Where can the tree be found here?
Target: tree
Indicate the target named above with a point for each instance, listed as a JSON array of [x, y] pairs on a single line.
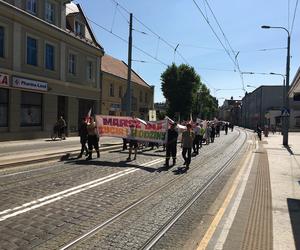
[[179, 87]]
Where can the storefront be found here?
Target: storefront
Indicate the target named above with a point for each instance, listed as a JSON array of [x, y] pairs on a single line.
[[30, 108]]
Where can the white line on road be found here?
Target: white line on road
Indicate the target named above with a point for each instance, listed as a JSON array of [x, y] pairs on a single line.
[[66, 193]]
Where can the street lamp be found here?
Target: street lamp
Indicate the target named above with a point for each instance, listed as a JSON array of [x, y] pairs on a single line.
[[287, 82], [251, 86]]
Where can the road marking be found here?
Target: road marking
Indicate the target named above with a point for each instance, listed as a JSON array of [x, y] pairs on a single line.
[[8, 213], [213, 226], [39, 169]]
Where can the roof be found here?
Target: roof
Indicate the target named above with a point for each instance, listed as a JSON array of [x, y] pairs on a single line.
[[119, 68], [75, 9], [294, 88]]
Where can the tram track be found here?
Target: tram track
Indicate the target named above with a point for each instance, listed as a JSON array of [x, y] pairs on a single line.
[[155, 237]]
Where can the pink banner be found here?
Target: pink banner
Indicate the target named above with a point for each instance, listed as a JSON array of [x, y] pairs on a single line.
[[130, 128]]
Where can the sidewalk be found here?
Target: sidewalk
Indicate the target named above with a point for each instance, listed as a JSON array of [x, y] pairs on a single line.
[[15, 153], [263, 211], [285, 183]]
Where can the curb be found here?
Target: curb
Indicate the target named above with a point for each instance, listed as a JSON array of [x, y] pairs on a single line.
[[53, 156]]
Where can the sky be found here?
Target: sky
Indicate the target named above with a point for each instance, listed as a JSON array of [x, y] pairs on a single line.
[[160, 25]]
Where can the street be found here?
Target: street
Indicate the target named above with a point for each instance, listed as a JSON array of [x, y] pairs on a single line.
[[52, 206]]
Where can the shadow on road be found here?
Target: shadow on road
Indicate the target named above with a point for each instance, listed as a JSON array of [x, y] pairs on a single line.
[[120, 164], [294, 211]]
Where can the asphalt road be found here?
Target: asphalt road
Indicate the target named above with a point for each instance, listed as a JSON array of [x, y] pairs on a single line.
[[49, 206]]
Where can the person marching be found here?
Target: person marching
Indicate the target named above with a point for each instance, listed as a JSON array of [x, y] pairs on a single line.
[[187, 144], [171, 145], [212, 133], [202, 133], [197, 139], [92, 138], [133, 144], [83, 133]]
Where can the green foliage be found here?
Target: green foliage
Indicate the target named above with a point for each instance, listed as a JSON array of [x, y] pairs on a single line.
[[179, 86], [186, 94]]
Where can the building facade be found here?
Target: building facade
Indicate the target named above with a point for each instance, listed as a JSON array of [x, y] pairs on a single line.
[[114, 86], [49, 67], [263, 107], [230, 111]]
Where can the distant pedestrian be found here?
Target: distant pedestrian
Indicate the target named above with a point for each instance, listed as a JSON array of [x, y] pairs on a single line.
[[83, 133], [226, 128], [93, 139], [259, 131], [62, 125], [207, 133], [197, 139], [212, 133], [171, 145], [218, 128], [187, 144], [202, 133]]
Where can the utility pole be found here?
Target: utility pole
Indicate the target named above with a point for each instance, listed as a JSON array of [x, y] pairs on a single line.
[[287, 88], [128, 92]]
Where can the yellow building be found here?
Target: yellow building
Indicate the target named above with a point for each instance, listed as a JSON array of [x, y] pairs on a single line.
[[113, 89], [49, 66]]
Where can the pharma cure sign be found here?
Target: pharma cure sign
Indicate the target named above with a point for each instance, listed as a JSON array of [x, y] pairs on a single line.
[[4, 80], [130, 128], [29, 84]]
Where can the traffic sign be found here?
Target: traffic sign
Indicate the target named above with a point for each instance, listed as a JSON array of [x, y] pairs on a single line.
[[285, 112]]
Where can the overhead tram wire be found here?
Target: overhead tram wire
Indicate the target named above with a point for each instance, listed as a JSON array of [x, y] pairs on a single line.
[[295, 11], [226, 39], [235, 61], [154, 33], [214, 32], [124, 40]]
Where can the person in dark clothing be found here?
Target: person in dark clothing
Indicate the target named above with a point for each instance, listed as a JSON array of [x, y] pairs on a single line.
[[124, 144], [171, 145], [218, 130], [226, 128], [258, 130], [197, 139], [213, 133], [83, 133]]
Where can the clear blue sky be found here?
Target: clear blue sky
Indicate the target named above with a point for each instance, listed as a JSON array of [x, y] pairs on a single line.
[[180, 22]]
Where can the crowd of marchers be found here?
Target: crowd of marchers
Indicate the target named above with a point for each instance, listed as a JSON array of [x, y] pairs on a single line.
[[191, 136]]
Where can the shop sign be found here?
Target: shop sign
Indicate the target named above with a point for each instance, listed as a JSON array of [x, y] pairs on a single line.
[[115, 106], [29, 84], [4, 80]]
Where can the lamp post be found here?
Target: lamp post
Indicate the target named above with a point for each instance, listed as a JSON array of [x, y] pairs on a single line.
[[287, 82]]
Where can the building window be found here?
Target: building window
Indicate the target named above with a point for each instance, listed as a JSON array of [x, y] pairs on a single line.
[[31, 109], [89, 70], [31, 51], [146, 97], [141, 96], [79, 29], [72, 64], [111, 90], [49, 56], [297, 97], [120, 92], [3, 107], [50, 12], [31, 6], [1, 41]]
